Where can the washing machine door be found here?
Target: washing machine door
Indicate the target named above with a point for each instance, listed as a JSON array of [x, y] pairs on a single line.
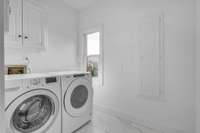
[[32, 112], [78, 97]]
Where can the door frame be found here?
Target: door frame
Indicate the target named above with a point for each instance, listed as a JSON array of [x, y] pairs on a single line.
[[82, 50]]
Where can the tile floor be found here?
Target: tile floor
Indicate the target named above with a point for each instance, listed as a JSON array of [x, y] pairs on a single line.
[[105, 123]]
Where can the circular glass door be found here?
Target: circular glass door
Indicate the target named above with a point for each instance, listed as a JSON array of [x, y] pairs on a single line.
[[78, 97], [32, 112]]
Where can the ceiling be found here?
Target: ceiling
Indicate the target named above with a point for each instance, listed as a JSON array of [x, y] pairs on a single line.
[[80, 4]]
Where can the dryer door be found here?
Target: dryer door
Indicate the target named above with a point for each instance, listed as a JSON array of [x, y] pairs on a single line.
[[78, 97], [34, 111]]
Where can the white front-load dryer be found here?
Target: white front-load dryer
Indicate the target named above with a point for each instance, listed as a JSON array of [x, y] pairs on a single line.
[[77, 101], [33, 105]]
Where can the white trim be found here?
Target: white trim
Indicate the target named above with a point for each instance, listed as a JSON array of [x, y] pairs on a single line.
[[82, 49], [2, 127], [197, 75], [6, 15], [137, 122]]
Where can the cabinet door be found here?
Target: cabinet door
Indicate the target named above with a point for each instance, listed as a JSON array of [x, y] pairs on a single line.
[[33, 25], [6, 15], [13, 36]]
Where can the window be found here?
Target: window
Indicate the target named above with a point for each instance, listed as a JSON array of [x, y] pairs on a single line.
[[93, 53]]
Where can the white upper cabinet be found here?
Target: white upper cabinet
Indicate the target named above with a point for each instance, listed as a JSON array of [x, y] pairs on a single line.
[[6, 15], [13, 36], [27, 27], [33, 25]]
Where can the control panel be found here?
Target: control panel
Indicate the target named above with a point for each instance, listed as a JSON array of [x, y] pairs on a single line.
[[50, 80]]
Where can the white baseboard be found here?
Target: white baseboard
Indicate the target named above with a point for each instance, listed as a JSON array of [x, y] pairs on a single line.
[[138, 122]]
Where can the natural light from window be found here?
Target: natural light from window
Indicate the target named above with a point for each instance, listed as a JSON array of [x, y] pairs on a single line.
[[93, 53], [93, 44]]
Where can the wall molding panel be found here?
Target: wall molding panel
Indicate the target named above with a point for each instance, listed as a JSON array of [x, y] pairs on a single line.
[[152, 57]]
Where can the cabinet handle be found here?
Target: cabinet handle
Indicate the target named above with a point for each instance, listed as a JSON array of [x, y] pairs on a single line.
[[19, 36], [26, 37]]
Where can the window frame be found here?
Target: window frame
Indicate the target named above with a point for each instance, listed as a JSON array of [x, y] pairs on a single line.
[[82, 51]]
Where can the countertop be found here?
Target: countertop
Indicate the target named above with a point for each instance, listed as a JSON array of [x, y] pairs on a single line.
[[41, 75]]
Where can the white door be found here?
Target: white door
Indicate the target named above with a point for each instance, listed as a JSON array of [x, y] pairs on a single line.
[[33, 25], [78, 97], [34, 112], [13, 38]]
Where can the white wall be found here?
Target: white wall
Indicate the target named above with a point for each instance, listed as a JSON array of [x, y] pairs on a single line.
[[198, 66], [120, 19], [1, 69], [62, 36]]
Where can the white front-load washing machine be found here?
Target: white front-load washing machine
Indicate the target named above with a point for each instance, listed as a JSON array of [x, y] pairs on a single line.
[[33, 105], [77, 101]]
